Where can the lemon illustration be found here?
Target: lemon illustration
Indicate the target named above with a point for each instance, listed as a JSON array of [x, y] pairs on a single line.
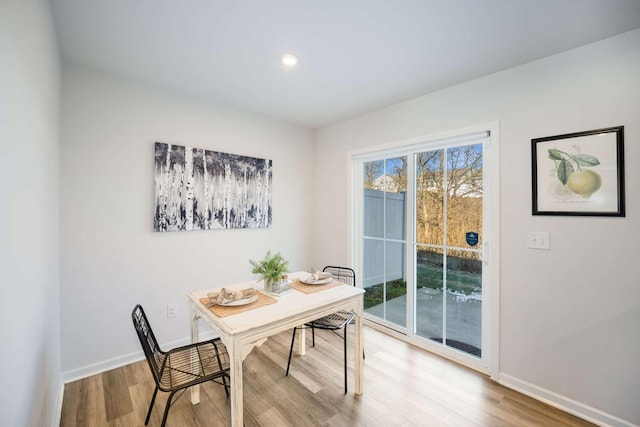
[[584, 182]]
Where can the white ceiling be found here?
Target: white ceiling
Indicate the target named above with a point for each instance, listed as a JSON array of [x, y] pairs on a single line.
[[355, 55]]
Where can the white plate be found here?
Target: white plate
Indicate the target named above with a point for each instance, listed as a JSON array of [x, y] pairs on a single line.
[[308, 281], [243, 301]]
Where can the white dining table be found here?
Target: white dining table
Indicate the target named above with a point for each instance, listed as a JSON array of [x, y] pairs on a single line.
[[241, 332]]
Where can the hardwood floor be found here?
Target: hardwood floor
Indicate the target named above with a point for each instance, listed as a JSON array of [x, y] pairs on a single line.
[[403, 386]]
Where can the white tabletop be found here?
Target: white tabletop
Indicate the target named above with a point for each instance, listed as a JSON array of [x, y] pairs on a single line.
[[287, 306]]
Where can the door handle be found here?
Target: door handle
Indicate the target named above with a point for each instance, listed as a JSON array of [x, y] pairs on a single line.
[[485, 252]]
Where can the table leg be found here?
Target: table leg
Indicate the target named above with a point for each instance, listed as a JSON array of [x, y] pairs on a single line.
[[235, 359], [195, 337], [302, 342], [359, 347]]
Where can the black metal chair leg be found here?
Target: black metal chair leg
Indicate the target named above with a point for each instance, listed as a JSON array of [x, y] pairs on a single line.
[[226, 387], [153, 399], [313, 336], [345, 358], [291, 349], [166, 409]]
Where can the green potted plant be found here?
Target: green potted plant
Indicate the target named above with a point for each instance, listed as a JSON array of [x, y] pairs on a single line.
[[271, 270]]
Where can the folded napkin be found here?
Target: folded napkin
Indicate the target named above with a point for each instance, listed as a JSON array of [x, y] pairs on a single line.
[[318, 275], [226, 296]]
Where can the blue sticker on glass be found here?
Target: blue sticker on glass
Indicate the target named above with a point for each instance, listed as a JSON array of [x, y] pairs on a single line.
[[472, 238]]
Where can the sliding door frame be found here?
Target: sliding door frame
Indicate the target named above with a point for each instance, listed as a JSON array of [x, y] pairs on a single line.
[[489, 363]]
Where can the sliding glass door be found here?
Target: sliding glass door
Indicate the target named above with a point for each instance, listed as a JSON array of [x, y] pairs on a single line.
[[422, 245]]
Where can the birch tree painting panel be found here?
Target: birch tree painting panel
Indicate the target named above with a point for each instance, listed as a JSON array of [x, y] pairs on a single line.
[[198, 189]]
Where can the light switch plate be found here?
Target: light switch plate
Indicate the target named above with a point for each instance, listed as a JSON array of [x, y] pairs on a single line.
[[538, 240]]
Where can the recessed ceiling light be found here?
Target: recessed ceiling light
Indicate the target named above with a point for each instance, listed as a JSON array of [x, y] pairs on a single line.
[[289, 59]]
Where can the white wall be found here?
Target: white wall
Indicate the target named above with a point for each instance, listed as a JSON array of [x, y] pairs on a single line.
[[110, 257], [29, 214], [570, 317]]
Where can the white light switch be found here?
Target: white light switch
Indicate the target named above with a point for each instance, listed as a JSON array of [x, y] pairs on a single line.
[[538, 240]]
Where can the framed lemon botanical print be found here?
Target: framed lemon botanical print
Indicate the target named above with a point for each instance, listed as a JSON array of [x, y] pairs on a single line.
[[579, 173]]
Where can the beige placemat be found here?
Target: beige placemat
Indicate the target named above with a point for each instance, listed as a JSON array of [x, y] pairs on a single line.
[[224, 311], [312, 289]]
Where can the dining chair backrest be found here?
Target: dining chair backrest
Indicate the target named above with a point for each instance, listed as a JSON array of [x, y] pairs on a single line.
[[181, 367], [343, 274], [150, 346]]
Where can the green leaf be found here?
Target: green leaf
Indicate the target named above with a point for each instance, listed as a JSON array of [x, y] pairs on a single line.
[[554, 154], [564, 170], [271, 267], [586, 160]]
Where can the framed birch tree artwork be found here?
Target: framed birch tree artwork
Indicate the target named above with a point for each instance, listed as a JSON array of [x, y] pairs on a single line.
[[198, 189], [579, 173]]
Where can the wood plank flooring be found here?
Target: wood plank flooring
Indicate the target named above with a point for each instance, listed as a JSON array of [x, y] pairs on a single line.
[[403, 386]]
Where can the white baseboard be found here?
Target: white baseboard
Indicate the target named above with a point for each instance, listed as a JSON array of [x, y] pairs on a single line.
[[116, 362], [103, 366], [564, 403]]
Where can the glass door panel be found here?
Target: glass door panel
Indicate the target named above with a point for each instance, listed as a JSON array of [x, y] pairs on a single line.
[[384, 239], [464, 207], [464, 195], [396, 285], [448, 216], [464, 302], [429, 322], [429, 189], [373, 277]]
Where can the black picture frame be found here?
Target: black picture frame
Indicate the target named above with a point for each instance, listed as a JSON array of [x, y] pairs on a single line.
[[579, 174]]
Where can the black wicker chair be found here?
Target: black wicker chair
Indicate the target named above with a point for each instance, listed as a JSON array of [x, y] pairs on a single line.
[[334, 321], [181, 367]]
